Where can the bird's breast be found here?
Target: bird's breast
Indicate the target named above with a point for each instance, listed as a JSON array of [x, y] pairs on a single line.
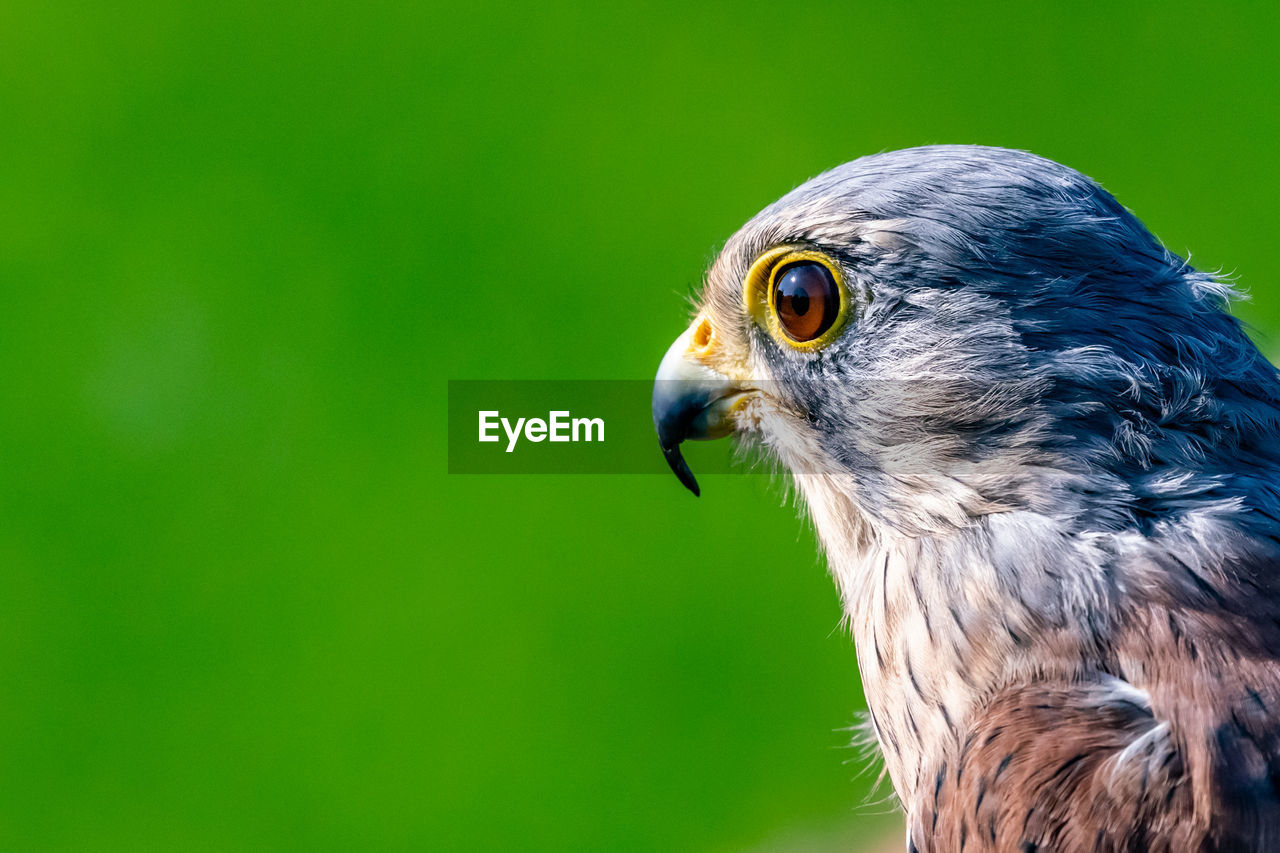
[[940, 626]]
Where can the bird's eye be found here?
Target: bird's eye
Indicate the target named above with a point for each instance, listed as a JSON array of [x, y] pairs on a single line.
[[805, 299], [797, 293]]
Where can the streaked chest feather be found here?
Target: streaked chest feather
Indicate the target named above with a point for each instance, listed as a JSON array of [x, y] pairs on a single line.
[[941, 623]]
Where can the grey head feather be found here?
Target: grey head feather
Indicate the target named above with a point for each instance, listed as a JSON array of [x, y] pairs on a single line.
[[1017, 286]]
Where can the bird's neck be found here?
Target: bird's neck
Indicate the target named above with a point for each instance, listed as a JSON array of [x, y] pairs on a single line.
[[943, 620]]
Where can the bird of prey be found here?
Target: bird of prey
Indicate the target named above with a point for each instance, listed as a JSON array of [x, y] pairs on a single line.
[[1043, 461]]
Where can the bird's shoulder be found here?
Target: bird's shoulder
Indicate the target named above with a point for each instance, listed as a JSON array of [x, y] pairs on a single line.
[[1180, 750]]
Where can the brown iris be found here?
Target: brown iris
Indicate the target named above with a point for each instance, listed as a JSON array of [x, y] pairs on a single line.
[[806, 300]]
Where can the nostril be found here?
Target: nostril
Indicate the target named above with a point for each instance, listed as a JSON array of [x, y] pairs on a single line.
[[702, 334]]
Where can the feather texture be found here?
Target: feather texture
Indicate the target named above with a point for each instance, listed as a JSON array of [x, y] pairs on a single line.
[[1043, 464]]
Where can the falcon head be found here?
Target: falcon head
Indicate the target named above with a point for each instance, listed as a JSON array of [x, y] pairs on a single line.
[[929, 336], [1042, 461]]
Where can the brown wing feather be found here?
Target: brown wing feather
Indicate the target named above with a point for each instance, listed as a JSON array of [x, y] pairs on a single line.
[[1177, 751]]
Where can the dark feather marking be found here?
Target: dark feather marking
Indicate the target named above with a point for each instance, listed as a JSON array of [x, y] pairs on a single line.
[[1068, 764], [1201, 584], [946, 716], [911, 674], [924, 606], [937, 794]]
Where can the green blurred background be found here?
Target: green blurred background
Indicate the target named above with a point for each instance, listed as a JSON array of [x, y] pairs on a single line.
[[243, 247]]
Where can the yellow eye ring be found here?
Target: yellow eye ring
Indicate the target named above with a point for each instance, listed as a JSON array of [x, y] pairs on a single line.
[[760, 298]]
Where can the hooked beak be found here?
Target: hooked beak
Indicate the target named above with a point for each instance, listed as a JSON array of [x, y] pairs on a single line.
[[691, 400]]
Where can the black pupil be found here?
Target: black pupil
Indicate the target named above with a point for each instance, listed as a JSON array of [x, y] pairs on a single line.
[[806, 300]]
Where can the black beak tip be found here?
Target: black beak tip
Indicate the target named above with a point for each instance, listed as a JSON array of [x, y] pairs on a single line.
[[681, 468]]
